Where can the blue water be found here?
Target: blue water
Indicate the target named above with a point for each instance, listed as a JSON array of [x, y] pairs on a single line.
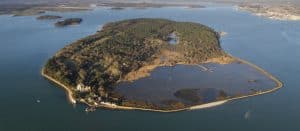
[[26, 44]]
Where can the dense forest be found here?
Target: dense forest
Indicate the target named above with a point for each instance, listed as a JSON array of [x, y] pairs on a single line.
[[101, 60]]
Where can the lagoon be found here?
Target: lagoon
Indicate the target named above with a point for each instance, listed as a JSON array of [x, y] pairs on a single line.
[[204, 82]]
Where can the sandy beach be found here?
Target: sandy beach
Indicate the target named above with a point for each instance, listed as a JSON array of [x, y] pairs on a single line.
[[208, 105], [69, 92]]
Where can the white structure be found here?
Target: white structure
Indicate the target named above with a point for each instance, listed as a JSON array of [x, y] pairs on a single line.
[[82, 88]]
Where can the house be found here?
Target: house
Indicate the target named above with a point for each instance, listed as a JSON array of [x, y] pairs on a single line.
[[82, 88]]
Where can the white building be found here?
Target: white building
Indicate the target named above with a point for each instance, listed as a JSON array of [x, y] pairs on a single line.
[[82, 88]]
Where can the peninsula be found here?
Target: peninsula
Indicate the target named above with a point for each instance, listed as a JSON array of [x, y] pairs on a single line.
[[91, 68]]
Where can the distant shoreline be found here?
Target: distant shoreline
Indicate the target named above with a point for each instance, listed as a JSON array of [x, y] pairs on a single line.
[[282, 13], [279, 85], [38, 9]]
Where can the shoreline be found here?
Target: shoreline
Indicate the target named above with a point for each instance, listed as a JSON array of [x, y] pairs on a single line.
[[281, 13], [70, 97], [279, 85], [37, 9]]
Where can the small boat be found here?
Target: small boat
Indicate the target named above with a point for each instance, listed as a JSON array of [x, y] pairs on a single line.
[[38, 101], [90, 109]]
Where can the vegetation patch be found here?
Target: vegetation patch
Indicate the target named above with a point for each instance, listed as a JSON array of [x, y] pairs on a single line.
[[128, 50], [48, 17], [188, 94]]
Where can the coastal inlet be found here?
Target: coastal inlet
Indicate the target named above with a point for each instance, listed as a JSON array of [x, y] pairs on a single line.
[[192, 85]]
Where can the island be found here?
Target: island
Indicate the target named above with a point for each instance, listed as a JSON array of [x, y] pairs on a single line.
[[154, 65], [69, 21], [196, 6], [48, 17], [28, 12], [117, 8]]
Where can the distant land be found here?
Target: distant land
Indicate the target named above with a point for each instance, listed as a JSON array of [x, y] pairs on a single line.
[[69, 21], [129, 50], [34, 8], [48, 17], [277, 9], [277, 12]]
